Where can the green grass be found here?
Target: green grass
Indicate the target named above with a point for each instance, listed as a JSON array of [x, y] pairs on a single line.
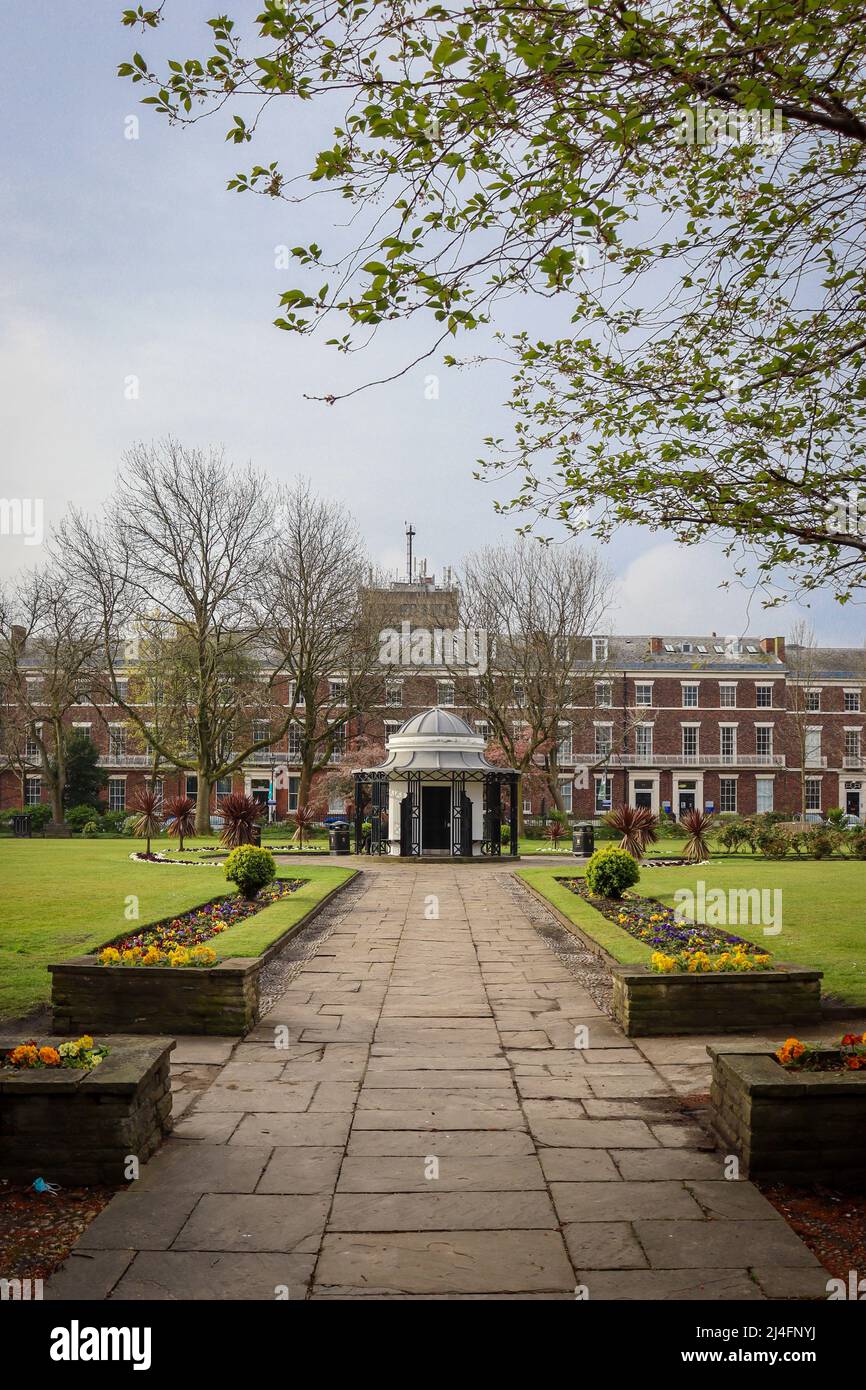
[[823, 911], [621, 946], [253, 936], [64, 898], [661, 850]]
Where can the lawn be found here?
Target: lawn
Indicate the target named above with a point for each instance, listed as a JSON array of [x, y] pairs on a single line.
[[823, 911], [66, 897]]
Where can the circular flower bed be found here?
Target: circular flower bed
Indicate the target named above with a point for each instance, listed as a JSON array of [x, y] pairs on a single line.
[[193, 928], [848, 1054], [83, 1054], [677, 944]]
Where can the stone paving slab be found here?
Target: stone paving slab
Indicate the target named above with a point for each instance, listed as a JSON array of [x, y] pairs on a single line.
[[432, 1132]]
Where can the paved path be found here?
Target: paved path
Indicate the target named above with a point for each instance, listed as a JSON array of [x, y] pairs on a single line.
[[431, 1131]]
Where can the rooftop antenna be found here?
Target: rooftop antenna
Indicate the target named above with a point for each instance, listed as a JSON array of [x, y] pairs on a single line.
[[410, 535]]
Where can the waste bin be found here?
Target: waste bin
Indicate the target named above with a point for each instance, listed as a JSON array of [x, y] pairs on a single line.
[[256, 833], [338, 839], [22, 825], [583, 838]]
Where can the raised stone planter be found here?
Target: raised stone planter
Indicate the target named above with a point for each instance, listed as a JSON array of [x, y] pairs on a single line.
[[80, 1127], [789, 1126], [222, 999], [646, 1004]]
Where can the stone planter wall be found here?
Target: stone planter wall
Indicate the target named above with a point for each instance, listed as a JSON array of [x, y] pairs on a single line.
[[221, 999], [798, 1127], [80, 1127], [646, 1004]]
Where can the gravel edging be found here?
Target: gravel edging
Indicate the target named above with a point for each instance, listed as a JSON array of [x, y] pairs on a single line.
[[583, 964], [278, 973]]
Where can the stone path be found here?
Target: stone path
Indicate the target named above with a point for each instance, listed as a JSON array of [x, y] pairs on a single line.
[[431, 1131]]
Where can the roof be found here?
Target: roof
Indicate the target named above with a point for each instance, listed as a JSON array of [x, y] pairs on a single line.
[[436, 741], [437, 721]]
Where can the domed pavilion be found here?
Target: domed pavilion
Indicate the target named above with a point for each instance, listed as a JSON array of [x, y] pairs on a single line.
[[436, 794]]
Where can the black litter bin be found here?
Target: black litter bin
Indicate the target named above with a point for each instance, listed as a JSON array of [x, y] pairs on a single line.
[[583, 839], [257, 836], [338, 839], [22, 825]]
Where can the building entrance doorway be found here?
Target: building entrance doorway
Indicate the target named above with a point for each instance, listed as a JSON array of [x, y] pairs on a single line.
[[643, 794], [852, 802], [436, 820], [686, 798], [260, 790]]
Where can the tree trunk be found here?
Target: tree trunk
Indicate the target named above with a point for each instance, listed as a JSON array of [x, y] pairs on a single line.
[[304, 785], [202, 805], [57, 778]]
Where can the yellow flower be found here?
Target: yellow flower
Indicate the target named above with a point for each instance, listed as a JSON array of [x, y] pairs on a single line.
[[85, 1041], [110, 956]]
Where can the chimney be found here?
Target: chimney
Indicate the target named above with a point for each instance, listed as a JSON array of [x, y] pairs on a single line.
[[656, 645], [773, 646], [19, 637]]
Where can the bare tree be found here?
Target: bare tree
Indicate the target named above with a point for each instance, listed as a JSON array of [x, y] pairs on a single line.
[[326, 626], [49, 659], [539, 606], [178, 568], [801, 658]]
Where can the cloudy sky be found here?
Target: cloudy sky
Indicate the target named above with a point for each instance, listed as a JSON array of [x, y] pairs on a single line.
[[126, 258]]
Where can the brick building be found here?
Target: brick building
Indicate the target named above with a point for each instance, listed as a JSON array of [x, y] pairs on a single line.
[[669, 722]]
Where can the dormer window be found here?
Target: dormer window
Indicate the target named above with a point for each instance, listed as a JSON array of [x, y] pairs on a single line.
[[599, 649]]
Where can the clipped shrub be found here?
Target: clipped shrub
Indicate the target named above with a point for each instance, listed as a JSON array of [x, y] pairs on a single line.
[[90, 829], [772, 842], [819, 843], [610, 871], [250, 868], [857, 844], [735, 833], [79, 816], [113, 822]]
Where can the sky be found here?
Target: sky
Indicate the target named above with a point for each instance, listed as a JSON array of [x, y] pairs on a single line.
[[137, 299]]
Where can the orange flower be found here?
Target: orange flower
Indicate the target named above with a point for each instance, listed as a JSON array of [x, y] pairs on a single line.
[[24, 1056], [790, 1050], [50, 1056]]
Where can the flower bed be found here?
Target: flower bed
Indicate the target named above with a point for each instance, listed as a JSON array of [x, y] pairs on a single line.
[[78, 1123], [792, 1120], [163, 979], [669, 935], [719, 983], [200, 924], [80, 1054]]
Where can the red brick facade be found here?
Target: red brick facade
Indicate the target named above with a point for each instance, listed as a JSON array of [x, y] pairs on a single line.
[[675, 722]]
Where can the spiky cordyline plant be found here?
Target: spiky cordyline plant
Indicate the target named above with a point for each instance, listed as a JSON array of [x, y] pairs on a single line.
[[636, 825], [240, 814], [697, 826], [303, 818], [148, 821], [180, 811]]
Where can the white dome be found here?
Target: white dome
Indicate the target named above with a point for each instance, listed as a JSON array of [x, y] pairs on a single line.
[[436, 721]]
